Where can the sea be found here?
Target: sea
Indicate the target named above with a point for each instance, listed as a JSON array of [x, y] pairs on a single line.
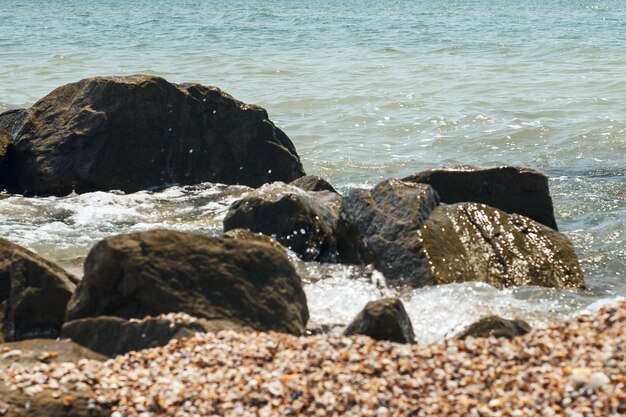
[[367, 90]]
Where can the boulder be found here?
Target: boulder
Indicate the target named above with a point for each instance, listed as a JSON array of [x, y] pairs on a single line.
[[303, 221], [12, 120], [474, 242], [313, 183], [399, 227], [514, 190], [379, 227], [139, 132], [384, 319], [34, 293], [148, 273], [112, 336], [494, 326], [71, 402]]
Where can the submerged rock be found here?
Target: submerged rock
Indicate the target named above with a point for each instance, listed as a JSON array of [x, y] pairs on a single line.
[[494, 326], [112, 336], [303, 221], [252, 284], [514, 190], [34, 293], [313, 183], [474, 242], [138, 132], [384, 319]]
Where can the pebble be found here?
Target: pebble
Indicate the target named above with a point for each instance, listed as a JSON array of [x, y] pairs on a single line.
[[576, 368]]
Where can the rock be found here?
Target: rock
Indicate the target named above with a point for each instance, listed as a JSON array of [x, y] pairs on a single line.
[[474, 242], [34, 293], [138, 132], [27, 353], [12, 120], [384, 319], [143, 274], [313, 183], [303, 221], [6, 141], [379, 227], [112, 336], [494, 326], [245, 234], [514, 190]]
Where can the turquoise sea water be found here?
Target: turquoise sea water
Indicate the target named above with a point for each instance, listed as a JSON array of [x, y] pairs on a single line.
[[366, 90]]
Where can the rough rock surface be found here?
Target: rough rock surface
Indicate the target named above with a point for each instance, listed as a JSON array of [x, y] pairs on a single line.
[[514, 190], [474, 242], [303, 221], [144, 274], [494, 326], [379, 226], [34, 293], [313, 183], [112, 336], [384, 319], [137, 132], [12, 120]]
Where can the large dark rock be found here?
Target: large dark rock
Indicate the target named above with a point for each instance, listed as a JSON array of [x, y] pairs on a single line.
[[384, 319], [137, 132], [303, 221], [494, 326], [34, 293], [313, 183], [143, 274], [398, 227], [114, 336], [514, 190], [475, 242], [379, 227]]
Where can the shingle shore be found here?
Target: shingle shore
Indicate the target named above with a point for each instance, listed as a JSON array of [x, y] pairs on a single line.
[[577, 368]]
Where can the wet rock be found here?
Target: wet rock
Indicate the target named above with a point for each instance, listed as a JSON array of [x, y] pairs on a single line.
[[34, 293], [494, 326], [138, 132], [313, 183], [26, 353], [474, 242], [303, 221], [112, 336], [12, 120], [144, 274], [245, 234], [379, 227], [514, 190], [384, 319]]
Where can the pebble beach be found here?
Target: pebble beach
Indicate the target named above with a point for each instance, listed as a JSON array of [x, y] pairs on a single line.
[[577, 368]]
